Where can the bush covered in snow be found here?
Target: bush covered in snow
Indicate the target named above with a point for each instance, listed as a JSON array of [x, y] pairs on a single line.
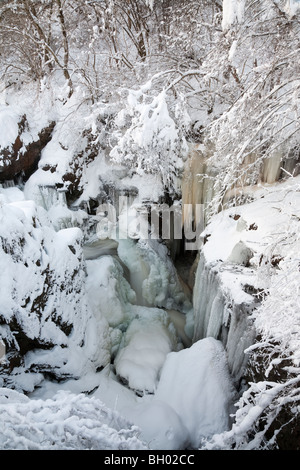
[[44, 312], [66, 422], [124, 90]]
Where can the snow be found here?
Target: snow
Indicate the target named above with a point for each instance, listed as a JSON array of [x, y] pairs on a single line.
[[39, 108], [141, 340], [233, 12], [179, 414], [241, 235], [153, 275], [291, 7], [109, 321], [91, 180], [43, 269], [150, 187], [150, 3], [27, 207], [149, 334], [8, 125], [232, 50], [161, 427], [65, 422], [192, 400], [241, 243], [153, 143], [254, 245], [204, 379], [12, 194], [72, 119], [106, 281]]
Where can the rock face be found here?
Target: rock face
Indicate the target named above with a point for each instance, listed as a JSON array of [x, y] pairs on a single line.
[[21, 159], [223, 315]]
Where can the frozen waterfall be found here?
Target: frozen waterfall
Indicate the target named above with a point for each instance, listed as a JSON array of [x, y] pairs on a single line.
[[136, 287]]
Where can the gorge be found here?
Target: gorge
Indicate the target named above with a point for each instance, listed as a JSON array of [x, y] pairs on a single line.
[[144, 310]]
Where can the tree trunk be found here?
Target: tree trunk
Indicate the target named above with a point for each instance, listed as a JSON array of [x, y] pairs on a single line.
[[66, 47]]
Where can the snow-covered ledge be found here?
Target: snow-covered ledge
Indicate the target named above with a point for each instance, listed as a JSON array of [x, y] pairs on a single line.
[[222, 309]]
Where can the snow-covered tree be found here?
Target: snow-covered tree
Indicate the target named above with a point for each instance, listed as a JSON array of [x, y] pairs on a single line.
[[152, 143], [38, 33], [233, 12], [263, 119]]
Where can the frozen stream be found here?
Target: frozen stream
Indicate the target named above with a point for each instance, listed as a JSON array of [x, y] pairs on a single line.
[[177, 392], [109, 247]]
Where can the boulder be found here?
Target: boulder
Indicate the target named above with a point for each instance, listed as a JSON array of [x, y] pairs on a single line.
[[241, 254]]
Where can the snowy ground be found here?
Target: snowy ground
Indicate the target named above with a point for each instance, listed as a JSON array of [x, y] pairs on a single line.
[[173, 397], [68, 422]]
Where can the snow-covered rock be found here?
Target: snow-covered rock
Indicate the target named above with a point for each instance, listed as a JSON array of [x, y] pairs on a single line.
[[254, 311], [199, 375], [149, 338], [44, 312], [222, 309], [241, 254], [192, 402]]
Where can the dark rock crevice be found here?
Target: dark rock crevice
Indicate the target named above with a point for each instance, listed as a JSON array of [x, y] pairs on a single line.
[[20, 161]]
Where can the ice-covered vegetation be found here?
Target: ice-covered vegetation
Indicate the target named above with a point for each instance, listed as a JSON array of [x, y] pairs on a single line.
[[66, 422]]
